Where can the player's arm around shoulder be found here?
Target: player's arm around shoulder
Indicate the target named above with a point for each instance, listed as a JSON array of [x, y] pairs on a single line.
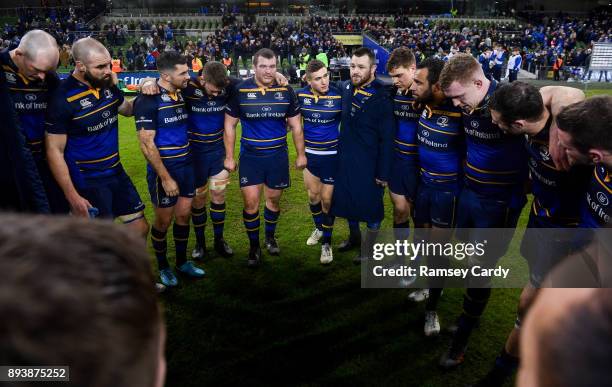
[[230, 121]]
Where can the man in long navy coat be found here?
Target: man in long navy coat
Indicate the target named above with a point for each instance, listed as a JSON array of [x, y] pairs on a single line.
[[365, 146]]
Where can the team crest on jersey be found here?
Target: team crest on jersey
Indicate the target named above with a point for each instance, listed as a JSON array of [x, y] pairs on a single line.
[[108, 94], [266, 109], [30, 97], [278, 95], [307, 101], [166, 98], [442, 121], [198, 93], [474, 124], [544, 153], [329, 103], [251, 96], [602, 198], [106, 114], [10, 77], [85, 103]]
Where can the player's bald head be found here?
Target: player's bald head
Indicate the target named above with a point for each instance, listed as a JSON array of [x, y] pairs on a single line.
[[86, 49], [36, 54]]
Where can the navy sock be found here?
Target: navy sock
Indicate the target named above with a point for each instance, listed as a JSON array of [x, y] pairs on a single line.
[[217, 216], [328, 228], [160, 246], [198, 218], [271, 219], [317, 214], [180, 233], [251, 224], [354, 231]]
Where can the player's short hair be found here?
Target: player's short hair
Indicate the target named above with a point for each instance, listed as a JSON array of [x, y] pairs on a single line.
[[461, 68], [314, 66], [400, 57], [169, 59], [434, 67], [78, 293], [263, 53], [216, 74], [588, 122], [575, 350], [517, 101], [364, 51]]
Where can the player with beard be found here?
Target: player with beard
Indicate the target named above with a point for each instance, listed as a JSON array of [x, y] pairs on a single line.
[[365, 150], [441, 148], [521, 109], [493, 194], [82, 140], [321, 107], [161, 122], [29, 72], [264, 109]]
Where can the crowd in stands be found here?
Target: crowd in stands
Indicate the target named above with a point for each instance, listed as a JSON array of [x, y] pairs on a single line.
[[540, 40]]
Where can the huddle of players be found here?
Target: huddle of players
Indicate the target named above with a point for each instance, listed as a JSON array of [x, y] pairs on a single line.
[[464, 148], [465, 161]]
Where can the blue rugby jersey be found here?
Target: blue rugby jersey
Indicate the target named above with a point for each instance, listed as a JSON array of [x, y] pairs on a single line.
[[263, 113], [441, 145], [556, 193], [30, 100], [322, 115], [89, 119], [407, 117], [166, 114], [206, 114], [597, 204], [360, 96], [496, 163]]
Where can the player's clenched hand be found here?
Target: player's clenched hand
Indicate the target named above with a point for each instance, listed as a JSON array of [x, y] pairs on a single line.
[[229, 164], [281, 79], [79, 206], [170, 187], [300, 162], [149, 86]]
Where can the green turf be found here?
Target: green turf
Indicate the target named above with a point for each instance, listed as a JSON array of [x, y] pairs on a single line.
[[295, 322]]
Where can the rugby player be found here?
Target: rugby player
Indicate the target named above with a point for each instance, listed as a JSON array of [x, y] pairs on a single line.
[[161, 122], [29, 71], [584, 134], [82, 140], [264, 110], [494, 176], [321, 107], [441, 149], [403, 180], [521, 109]]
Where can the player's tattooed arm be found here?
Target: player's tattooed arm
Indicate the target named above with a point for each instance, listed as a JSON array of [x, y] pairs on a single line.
[[229, 141], [127, 108], [151, 153], [55, 145]]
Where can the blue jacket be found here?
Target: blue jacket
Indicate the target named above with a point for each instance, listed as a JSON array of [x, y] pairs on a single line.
[[365, 153]]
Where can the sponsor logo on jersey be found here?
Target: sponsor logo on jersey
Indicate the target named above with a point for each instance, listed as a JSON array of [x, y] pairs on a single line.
[[474, 124], [106, 114], [602, 198], [307, 101], [31, 97], [251, 96], [85, 103], [442, 121], [166, 98], [266, 109]]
